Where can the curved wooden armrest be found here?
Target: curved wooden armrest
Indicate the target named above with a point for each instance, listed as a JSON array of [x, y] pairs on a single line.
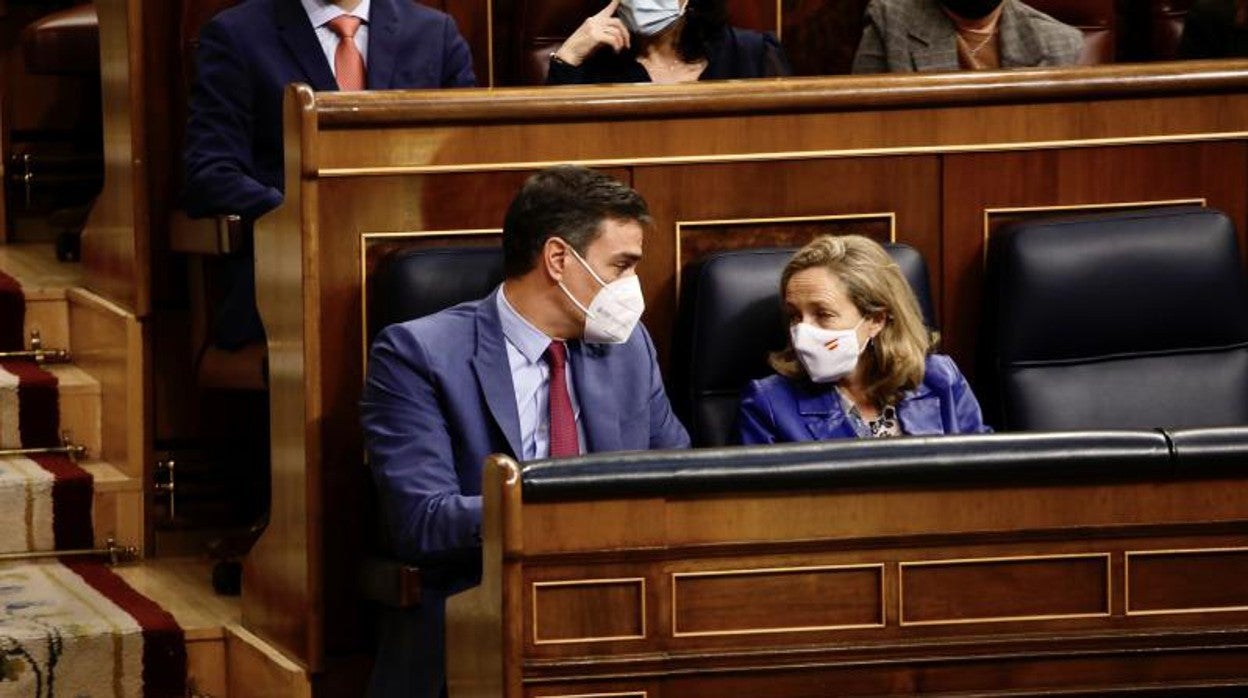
[[390, 582], [218, 235]]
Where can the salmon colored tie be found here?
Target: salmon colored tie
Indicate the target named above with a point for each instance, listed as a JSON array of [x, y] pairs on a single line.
[[348, 63], [563, 439]]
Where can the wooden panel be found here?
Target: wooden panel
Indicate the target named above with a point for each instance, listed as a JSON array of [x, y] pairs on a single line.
[[1132, 175], [606, 525], [966, 591], [866, 190], [1187, 581], [979, 674], [110, 344], [119, 516], [737, 602], [561, 693], [754, 134], [697, 239], [256, 669], [821, 36], [588, 610], [282, 573], [206, 667], [115, 247]]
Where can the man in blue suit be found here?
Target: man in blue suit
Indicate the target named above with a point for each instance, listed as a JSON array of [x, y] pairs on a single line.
[[551, 364], [247, 56]]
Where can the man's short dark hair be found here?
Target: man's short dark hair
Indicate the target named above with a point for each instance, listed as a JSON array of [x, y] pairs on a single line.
[[568, 202]]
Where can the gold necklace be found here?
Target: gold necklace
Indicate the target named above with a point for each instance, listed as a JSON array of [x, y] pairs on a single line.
[[975, 51], [669, 67]]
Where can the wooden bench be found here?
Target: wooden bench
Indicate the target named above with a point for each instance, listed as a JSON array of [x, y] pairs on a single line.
[[1037, 562]]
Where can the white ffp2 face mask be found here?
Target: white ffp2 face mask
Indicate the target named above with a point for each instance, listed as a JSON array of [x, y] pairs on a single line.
[[822, 364], [614, 311], [650, 17]]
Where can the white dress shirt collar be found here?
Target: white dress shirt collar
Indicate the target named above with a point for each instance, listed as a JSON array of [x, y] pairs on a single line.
[[321, 11]]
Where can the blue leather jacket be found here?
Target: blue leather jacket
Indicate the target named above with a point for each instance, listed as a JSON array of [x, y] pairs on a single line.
[[777, 409]]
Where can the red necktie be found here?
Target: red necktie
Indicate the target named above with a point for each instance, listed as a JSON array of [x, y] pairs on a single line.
[[563, 439], [348, 63]]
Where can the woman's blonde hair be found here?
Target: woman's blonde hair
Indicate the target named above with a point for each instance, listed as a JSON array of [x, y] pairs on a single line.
[[894, 359]]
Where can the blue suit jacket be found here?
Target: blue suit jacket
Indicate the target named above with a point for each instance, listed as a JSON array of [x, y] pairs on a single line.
[[438, 399], [777, 409], [247, 56]]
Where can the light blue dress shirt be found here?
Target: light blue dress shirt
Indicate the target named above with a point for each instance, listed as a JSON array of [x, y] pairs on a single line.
[[321, 12], [530, 376]]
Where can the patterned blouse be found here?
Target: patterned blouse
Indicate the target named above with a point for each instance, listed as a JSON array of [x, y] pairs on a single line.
[[884, 426]]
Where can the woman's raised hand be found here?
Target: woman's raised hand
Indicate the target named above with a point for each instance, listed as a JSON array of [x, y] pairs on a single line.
[[601, 29]]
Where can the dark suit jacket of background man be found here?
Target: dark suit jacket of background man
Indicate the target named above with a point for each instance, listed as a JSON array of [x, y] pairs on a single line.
[[247, 56]]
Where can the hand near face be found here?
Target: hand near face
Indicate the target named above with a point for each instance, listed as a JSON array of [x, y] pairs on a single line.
[[598, 30]]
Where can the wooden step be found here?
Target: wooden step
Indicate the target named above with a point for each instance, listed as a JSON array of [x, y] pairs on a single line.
[[80, 406], [48, 314], [183, 587], [44, 282], [117, 510]]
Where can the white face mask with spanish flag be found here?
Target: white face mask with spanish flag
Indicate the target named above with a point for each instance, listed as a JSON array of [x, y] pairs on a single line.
[[827, 355]]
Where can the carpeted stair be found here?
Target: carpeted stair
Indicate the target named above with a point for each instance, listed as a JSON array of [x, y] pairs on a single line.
[[68, 626]]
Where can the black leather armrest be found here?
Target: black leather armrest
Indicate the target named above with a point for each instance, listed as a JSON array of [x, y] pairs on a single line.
[[1211, 451], [895, 463]]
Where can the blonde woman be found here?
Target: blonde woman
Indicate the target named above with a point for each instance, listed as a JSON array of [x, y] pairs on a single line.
[[858, 361]]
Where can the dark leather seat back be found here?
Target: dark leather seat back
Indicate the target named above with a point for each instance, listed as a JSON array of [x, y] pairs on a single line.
[[1166, 19], [1097, 19], [66, 42], [1119, 320], [730, 319], [413, 283]]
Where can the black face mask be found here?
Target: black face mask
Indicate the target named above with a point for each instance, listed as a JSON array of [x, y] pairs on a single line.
[[971, 9]]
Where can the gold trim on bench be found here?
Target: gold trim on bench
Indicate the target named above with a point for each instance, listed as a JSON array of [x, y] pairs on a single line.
[[1090, 208], [640, 581], [675, 576], [890, 216], [1173, 611], [901, 595], [779, 156]]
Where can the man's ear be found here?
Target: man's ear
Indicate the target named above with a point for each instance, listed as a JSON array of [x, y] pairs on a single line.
[[555, 258]]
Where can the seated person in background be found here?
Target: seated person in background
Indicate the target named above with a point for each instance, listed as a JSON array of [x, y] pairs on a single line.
[[247, 55], [1215, 29], [664, 41], [551, 364], [905, 36], [858, 361]]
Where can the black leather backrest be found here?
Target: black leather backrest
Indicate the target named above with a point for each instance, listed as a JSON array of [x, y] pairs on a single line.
[[413, 283], [1120, 320], [730, 319]]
